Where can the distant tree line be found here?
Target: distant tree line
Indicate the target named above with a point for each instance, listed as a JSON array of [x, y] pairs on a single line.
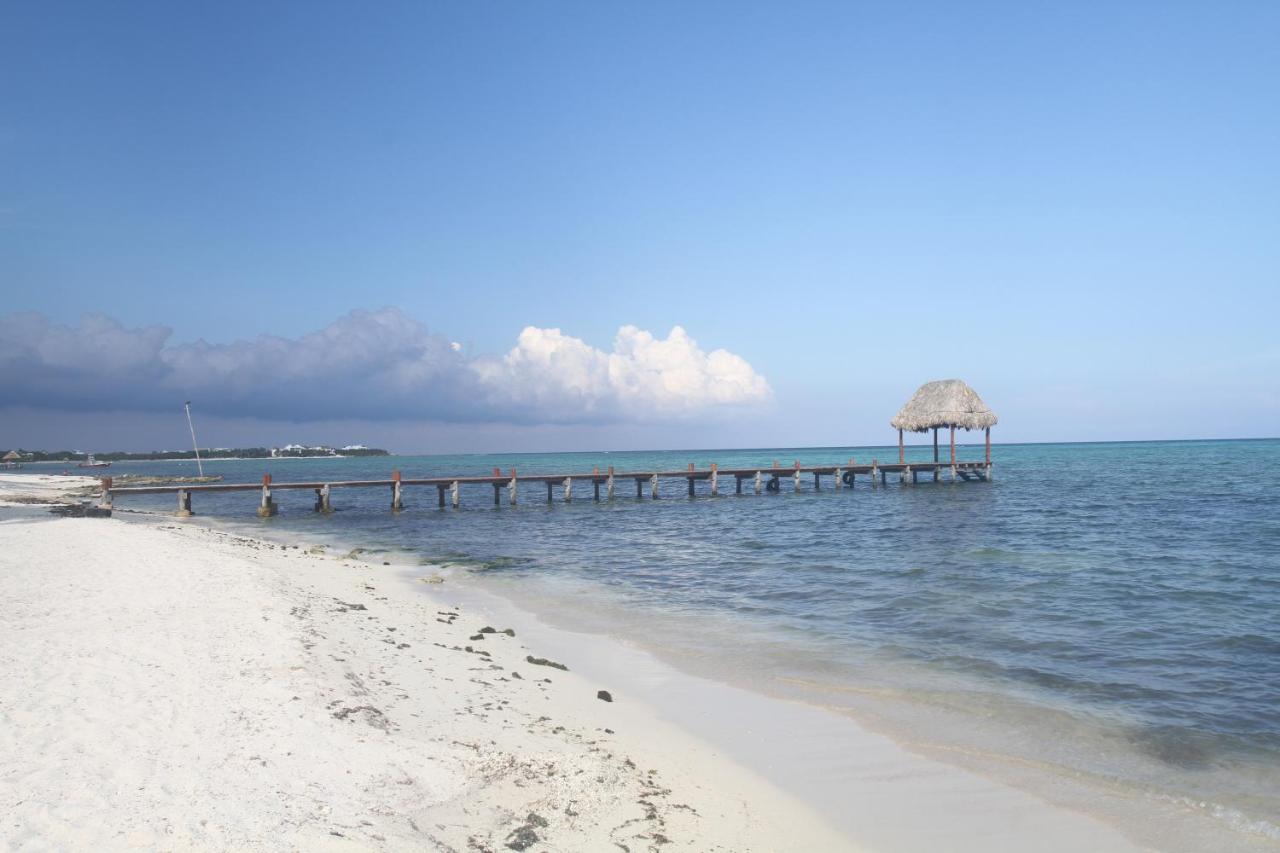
[[219, 453]]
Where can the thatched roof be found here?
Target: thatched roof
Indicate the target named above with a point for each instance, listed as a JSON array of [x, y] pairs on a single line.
[[11, 456], [944, 403]]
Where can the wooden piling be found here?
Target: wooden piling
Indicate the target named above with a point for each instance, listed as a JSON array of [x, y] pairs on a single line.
[[568, 489], [609, 484], [397, 496], [267, 508], [511, 488], [184, 504], [759, 483], [715, 483], [455, 494], [902, 451]]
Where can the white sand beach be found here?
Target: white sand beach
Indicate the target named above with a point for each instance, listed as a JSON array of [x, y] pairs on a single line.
[[168, 686]]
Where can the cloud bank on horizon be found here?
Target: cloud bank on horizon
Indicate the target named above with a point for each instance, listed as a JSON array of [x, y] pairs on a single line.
[[375, 365]]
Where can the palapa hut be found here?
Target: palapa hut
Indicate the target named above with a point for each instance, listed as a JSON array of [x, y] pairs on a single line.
[[944, 403], [12, 456]]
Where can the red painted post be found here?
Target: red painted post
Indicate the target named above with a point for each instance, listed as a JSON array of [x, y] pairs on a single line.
[[395, 475], [266, 479]]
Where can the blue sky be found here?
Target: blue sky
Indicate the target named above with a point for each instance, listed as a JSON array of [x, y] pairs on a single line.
[[1075, 207]]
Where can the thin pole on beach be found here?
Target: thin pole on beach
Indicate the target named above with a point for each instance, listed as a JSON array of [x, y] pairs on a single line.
[[194, 445]]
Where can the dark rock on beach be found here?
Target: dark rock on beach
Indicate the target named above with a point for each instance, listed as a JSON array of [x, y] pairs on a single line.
[[604, 695], [544, 662]]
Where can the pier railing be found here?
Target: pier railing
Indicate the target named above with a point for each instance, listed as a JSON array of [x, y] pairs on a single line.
[[757, 480]]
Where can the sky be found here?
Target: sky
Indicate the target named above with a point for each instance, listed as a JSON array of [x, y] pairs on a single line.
[[448, 227]]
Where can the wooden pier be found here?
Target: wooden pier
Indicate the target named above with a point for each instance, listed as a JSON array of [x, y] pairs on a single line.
[[603, 484]]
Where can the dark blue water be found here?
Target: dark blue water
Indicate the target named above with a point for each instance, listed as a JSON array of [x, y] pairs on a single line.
[[1110, 610]]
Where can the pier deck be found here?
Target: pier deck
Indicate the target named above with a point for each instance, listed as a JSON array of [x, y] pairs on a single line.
[[449, 489]]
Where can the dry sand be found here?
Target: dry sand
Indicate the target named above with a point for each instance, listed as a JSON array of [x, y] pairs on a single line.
[[169, 686]]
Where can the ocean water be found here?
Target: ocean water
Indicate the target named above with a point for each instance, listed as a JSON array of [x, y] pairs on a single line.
[[1101, 623]]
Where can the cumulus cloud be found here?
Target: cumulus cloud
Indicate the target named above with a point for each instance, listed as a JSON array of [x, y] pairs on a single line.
[[370, 364]]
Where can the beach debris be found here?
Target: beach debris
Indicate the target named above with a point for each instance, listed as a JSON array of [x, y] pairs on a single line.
[[345, 606], [515, 674], [370, 714], [488, 630], [544, 662], [476, 637], [353, 554], [432, 579], [523, 837], [509, 632], [604, 695]]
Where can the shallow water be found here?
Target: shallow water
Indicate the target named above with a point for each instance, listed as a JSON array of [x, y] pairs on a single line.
[[1103, 613]]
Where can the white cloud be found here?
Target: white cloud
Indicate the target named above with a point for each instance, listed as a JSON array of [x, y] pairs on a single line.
[[380, 365], [642, 376]]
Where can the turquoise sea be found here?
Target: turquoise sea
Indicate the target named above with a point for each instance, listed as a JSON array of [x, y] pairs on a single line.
[[1101, 623]]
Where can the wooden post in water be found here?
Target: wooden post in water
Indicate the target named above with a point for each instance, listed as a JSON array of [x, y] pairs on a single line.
[[455, 493], [267, 508], [839, 479], [548, 491], [874, 472], [397, 496], [322, 500], [653, 487], [568, 489], [690, 479], [511, 488], [104, 502], [953, 451], [609, 485], [184, 504], [440, 490], [715, 482], [902, 451], [639, 488], [595, 483], [737, 484], [759, 484], [795, 477]]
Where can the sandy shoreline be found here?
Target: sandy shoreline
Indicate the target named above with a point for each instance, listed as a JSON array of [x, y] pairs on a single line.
[[170, 686]]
